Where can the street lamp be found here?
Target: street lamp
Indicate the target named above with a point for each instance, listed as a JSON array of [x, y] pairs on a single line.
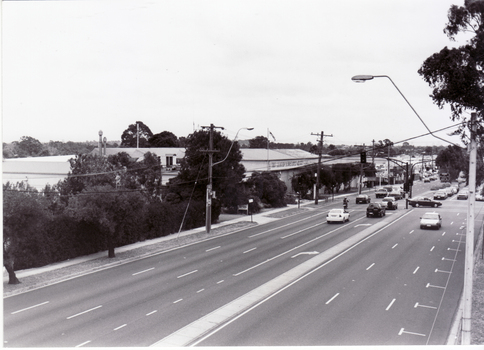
[[210, 151], [363, 78]]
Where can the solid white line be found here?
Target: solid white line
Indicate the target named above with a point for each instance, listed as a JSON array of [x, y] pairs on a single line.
[[394, 245], [28, 308], [212, 248], [369, 267], [416, 270], [78, 346], [137, 273], [330, 300], [186, 274], [81, 313], [151, 313], [249, 250], [390, 305], [124, 325], [302, 230], [277, 228]]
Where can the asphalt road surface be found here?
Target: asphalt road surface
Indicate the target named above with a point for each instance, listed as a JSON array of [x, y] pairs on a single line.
[[296, 281]]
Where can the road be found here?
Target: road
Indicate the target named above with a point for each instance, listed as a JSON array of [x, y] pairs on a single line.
[[398, 286]]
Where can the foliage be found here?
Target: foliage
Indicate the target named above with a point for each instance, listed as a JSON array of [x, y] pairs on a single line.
[[258, 142], [119, 214], [193, 179], [164, 139], [268, 187], [129, 137], [452, 160], [457, 74], [303, 183], [29, 147], [24, 214]]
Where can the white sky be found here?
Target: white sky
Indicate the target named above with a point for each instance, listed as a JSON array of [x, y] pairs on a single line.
[[72, 68]]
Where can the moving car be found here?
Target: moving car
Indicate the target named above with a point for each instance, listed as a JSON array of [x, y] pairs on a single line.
[[375, 209], [479, 197], [337, 215], [463, 194], [381, 193], [395, 194], [429, 220], [440, 195], [423, 202], [363, 198], [390, 203]]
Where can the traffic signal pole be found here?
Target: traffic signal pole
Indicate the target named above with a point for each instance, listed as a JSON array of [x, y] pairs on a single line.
[[320, 151]]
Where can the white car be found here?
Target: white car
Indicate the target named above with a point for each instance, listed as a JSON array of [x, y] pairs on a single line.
[[431, 220], [336, 215]]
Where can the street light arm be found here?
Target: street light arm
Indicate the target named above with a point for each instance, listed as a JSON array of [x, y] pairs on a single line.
[[363, 78], [235, 138]]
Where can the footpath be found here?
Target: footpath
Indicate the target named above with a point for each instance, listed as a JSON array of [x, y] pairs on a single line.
[[228, 224]]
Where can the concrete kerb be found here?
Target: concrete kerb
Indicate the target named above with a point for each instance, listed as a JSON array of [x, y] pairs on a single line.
[[197, 330]]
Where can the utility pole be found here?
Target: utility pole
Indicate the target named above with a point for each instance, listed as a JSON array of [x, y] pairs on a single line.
[[320, 151], [469, 256], [210, 151]]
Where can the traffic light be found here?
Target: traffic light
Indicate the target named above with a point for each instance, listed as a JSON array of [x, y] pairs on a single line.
[[363, 157]]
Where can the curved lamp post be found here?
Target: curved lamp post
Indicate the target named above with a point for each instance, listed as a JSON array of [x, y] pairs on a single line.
[[208, 217], [363, 78]]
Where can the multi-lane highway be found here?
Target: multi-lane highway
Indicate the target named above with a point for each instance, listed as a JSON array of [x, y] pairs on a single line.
[[295, 281]]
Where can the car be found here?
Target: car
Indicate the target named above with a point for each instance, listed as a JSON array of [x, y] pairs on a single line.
[[429, 220], [463, 194], [395, 194], [381, 193], [337, 215], [363, 198], [436, 187], [426, 179], [375, 209], [479, 197], [440, 195], [390, 203], [423, 202], [449, 191]]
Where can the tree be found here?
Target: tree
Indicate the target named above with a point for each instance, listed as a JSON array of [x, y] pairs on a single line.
[[452, 160], [457, 75], [268, 187], [115, 212], [24, 216], [258, 142], [193, 174], [129, 138], [164, 139], [303, 183], [29, 147]]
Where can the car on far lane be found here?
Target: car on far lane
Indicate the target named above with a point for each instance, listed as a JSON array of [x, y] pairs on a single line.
[[464, 194], [479, 198], [363, 198], [423, 202], [375, 209], [381, 193], [337, 215], [440, 195], [390, 203], [429, 220]]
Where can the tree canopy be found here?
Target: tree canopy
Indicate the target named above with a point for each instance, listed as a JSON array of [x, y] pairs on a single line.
[[456, 75], [164, 139], [129, 137]]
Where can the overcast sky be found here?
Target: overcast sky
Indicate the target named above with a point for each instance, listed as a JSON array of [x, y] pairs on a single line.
[[72, 68]]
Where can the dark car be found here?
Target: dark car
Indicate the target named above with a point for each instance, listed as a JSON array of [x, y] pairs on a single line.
[[363, 198], [424, 202], [381, 193], [375, 209]]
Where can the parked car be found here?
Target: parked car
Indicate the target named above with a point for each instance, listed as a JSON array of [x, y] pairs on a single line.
[[423, 202], [390, 203], [440, 195], [337, 215], [363, 198], [375, 209], [429, 220], [381, 193], [463, 194], [426, 179]]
